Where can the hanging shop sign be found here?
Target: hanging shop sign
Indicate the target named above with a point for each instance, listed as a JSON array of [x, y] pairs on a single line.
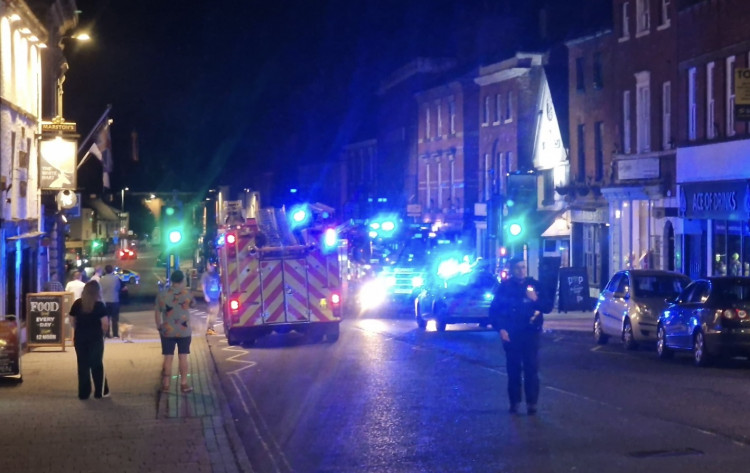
[[719, 200]]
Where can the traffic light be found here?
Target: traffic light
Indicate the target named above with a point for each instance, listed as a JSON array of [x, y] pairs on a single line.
[[96, 246], [515, 230], [174, 236]]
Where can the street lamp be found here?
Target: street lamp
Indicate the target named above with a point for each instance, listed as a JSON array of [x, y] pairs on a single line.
[[122, 199], [63, 69]]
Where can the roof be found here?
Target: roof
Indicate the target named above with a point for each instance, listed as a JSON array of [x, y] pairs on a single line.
[[102, 210]]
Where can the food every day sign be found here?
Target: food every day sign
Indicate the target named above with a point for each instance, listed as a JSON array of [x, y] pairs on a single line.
[[45, 319]]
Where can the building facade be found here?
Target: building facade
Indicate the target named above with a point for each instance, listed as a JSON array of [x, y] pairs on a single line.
[[713, 174], [21, 37], [447, 149]]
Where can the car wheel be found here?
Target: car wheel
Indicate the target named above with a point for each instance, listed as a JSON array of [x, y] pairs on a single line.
[[627, 336], [599, 336], [700, 355], [421, 322], [662, 350], [439, 312], [332, 335], [231, 339]]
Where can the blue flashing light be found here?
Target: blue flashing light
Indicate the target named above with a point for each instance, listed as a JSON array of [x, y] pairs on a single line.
[[510, 203], [293, 190], [330, 238], [375, 225], [373, 234], [220, 240], [388, 226], [300, 216]]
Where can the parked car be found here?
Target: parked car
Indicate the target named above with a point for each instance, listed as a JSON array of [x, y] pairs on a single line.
[[630, 304], [463, 298], [711, 318]]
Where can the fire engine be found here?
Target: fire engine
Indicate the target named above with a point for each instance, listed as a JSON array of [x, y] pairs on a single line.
[[279, 275]]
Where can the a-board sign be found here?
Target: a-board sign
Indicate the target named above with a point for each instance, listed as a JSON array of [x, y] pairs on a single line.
[[10, 349], [574, 290], [46, 319]]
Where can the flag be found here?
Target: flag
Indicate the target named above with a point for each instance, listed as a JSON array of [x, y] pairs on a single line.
[[102, 149], [101, 146]]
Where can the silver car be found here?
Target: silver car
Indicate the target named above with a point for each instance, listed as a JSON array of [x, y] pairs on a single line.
[[630, 304]]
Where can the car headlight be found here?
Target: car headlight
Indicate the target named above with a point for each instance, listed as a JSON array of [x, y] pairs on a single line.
[[372, 294], [417, 281]]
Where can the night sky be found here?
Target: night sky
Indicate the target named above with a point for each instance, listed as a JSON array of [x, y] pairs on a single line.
[[222, 90]]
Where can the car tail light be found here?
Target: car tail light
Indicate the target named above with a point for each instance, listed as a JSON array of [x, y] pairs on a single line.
[[234, 305], [732, 314], [335, 299]]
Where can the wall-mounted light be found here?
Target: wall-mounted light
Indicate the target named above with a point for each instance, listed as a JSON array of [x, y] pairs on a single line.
[[14, 17]]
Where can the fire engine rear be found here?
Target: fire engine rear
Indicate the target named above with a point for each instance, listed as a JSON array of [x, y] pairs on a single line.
[[276, 278]]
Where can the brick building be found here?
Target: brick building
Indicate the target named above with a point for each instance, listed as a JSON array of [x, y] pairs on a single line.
[[714, 145], [522, 156], [447, 153]]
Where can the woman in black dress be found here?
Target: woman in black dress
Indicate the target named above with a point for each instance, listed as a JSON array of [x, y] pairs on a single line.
[[91, 323]]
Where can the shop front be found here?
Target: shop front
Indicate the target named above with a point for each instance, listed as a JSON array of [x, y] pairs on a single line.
[[718, 213]]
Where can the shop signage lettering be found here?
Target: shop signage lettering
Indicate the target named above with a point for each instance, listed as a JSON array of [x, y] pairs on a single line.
[[726, 201], [716, 200]]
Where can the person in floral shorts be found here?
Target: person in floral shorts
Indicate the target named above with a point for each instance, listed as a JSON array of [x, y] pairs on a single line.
[[172, 317]]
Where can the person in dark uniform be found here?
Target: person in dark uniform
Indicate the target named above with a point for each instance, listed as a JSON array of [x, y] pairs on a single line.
[[516, 311], [91, 323]]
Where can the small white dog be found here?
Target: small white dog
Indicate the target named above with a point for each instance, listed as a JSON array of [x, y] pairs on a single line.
[[125, 332]]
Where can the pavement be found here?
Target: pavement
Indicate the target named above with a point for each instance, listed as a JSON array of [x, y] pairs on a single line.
[[46, 428]]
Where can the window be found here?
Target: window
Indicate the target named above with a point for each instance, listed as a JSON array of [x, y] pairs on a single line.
[[487, 177], [497, 170], [548, 177], [452, 182], [710, 102], [598, 81], [580, 83], [643, 20], [730, 96], [439, 119], [452, 117], [626, 122], [643, 111], [599, 150], [666, 116], [692, 107], [427, 125], [428, 185], [581, 153], [509, 107], [486, 116], [625, 21], [498, 107], [664, 13], [439, 183]]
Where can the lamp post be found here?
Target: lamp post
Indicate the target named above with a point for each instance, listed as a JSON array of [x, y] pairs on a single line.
[[122, 198], [63, 69]]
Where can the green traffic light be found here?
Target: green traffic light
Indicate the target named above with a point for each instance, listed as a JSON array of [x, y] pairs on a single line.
[[515, 229], [169, 211], [175, 236], [96, 244]]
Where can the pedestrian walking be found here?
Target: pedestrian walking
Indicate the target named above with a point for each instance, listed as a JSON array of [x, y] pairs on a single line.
[[53, 284], [172, 317], [211, 293], [97, 274], [75, 285], [90, 321], [110, 284], [516, 311]]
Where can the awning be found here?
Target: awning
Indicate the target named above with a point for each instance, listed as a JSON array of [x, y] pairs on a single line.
[[560, 227], [23, 236]]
